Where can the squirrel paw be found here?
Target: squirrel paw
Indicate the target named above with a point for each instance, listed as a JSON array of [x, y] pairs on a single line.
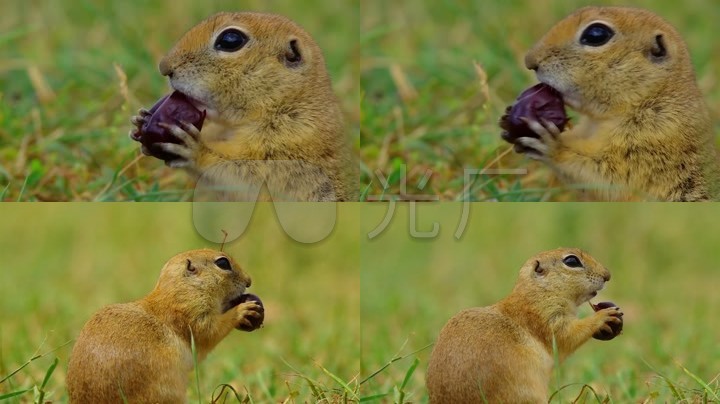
[[250, 316], [138, 121], [542, 148], [611, 319], [188, 151]]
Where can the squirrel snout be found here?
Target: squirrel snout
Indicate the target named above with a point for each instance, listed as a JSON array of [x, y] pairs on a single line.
[[531, 61], [165, 68], [606, 276]]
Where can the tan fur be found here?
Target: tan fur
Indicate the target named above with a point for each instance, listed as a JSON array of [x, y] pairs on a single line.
[[504, 353], [142, 348], [644, 127], [267, 122]]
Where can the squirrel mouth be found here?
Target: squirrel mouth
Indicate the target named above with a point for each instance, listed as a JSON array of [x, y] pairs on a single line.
[[196, 101], [569, 98], [598, 288], [233, 301]]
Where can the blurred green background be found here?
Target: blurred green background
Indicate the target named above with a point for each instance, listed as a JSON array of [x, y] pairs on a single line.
[[665, 267], [61, 263], [426, 105], [73, 72]]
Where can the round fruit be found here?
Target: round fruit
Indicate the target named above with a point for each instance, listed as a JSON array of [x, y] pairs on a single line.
[[170, 110], [255, 321], [538, 101], [616, 327]]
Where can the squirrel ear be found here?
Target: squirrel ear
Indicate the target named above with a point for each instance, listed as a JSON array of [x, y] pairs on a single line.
[[292, 56], [190, 267], [658, 50], [538, 269]]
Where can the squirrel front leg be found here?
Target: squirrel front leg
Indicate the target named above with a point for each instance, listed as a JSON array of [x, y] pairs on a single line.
[[189, 151], [210, 330], [570, 334], [218, 176], [553, 149], [245, 312]]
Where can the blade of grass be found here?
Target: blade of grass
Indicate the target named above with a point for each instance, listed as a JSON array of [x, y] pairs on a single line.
[[32, 359], [704, 385], [49, 373], [14, 394], [675, 391], [195, 364], [395, 359], [373, 397], [409, 373], [339, 381]]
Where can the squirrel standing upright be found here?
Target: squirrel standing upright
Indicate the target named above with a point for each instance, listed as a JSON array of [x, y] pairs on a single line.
[[272, 117], [141, 351], [504, 353], [644, 127]]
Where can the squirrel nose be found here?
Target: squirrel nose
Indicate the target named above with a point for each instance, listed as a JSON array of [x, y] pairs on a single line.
[[531, 61], [248, 282], [606, 276], [165, 68]]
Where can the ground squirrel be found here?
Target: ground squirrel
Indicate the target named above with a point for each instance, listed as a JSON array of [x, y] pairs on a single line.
[[504, 353], [272, 117], [141, 350], [644, 127]]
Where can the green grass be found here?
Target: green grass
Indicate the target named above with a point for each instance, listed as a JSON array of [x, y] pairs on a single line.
[[72, 73], [426, 106], [63, 262], [665, 276]]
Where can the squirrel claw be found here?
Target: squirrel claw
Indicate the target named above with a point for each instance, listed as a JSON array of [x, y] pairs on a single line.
[[138, 120], [250, 316], [185, 132], [132, 134], [141, 118], [187, 151], [533, 148], [254, 313], [177, 149], [539, 148]]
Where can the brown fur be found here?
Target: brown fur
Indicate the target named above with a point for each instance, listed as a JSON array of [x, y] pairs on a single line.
[[504, 353], [644, 127], [267, 122], [141, 350]]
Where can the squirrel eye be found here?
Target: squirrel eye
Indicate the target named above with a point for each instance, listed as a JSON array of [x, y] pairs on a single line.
[[572, 261], [223, 263], [596, 35], [230, 40]]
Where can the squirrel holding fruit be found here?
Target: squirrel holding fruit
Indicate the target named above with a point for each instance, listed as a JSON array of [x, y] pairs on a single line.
[[643, 126], [504, 353], [253, 111], [141, 351]]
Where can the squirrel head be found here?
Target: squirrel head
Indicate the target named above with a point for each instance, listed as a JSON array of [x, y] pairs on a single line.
[[606, 60], [568, 273], [202, 279], [242, 66]]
